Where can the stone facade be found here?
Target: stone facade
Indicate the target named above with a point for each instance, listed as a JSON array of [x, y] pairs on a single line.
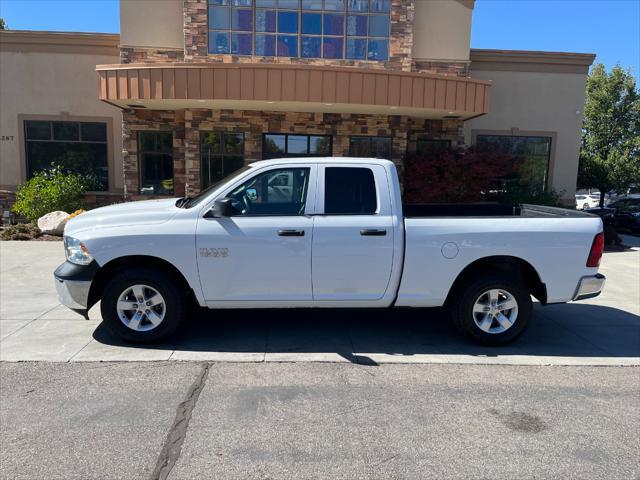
[[150, 55], [134, 121], [400, 41], [457, 69], [187, 125]]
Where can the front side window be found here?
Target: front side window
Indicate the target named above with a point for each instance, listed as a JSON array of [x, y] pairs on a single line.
[[370, 147], [275, 192], [530, 158], [349, 191], [155, 150], [79, 147], [221, 154], [334, 29], [284, 145]]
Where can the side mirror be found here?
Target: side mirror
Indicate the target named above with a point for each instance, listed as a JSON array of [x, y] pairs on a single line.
[[223, 207], [252, 194]]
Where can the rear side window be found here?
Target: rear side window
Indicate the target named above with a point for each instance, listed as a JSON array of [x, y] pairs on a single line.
[[349, 191]]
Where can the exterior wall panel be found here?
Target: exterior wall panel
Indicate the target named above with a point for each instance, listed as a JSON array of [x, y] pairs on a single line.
[[52, 76], [537, 103]]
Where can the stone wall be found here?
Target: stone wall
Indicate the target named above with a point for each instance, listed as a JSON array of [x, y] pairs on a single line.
[[150, 55], [458, 69], [187, 125], [400, 41], [134, 121], [7, 199]]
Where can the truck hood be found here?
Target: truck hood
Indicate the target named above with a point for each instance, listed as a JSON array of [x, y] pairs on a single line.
[[145, 212]]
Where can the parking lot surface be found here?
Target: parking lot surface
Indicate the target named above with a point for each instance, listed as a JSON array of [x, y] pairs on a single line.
[[191, 420], [35, 327]]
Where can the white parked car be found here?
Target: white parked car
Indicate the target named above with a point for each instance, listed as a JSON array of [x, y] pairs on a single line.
[[587, 201], [336, 236]]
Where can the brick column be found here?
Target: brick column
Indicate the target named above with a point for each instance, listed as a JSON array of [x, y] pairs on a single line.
[[191, 154], [129, 155]]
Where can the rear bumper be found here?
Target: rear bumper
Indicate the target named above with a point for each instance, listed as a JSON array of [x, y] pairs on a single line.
[[73, 284], [589, 287]]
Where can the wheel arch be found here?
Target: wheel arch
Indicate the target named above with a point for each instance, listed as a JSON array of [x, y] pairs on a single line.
[[147, 261], [502, 264]]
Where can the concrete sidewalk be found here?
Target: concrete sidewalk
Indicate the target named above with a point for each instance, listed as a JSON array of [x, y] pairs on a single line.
[[600, 331]]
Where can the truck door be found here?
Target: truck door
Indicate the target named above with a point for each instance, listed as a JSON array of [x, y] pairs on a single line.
[[263, 253], [352, 251]]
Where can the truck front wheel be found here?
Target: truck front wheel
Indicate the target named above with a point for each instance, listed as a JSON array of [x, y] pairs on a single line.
[[492, 310], [142, 305]]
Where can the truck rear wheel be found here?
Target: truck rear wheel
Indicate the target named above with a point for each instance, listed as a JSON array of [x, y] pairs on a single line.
[[492, 310], [142, 305]]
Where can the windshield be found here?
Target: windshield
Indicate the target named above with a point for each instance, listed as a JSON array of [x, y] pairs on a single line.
[[200, 197]]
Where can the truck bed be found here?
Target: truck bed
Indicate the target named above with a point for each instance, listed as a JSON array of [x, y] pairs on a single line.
[[430, 210]]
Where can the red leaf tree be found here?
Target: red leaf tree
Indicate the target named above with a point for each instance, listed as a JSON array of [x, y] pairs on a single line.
[[467, 176]]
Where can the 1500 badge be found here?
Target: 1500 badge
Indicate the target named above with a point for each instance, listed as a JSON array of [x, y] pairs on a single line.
[[214, 252]]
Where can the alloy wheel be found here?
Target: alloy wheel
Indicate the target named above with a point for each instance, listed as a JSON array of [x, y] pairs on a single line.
[[495, 311], [141, 308]]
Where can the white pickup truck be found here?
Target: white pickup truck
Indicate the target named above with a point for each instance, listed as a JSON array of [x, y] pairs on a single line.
[[325, 232]]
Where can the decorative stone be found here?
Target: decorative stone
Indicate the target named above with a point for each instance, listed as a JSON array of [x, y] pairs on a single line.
[[53, 223]]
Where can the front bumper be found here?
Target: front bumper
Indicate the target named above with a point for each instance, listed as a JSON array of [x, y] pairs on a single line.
[[73, 285], [589, 287], [72, 294]]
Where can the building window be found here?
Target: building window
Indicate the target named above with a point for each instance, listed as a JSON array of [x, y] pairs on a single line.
[[334, 29], [79, 147], [221, 154], [284, 145], [530, 155], [156, 163], [372, 147], [432, 148]]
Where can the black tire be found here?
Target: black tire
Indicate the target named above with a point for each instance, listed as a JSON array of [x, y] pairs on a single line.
[[466, 297], [174, 304]]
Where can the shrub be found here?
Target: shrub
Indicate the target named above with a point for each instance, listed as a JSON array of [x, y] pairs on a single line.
[[474, 176], [21, 231], [517, 194], [453, 177], [49, 191]]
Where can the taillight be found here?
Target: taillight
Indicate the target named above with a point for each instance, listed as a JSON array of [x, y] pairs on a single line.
[[596, 251]]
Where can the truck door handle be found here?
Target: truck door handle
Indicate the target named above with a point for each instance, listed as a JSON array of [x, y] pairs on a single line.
[[372, 232], [291, 233]]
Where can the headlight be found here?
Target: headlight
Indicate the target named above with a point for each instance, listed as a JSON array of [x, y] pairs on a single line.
[[76, 252]]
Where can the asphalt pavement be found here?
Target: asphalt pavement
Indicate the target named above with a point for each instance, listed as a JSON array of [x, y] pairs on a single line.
[[194, 420]]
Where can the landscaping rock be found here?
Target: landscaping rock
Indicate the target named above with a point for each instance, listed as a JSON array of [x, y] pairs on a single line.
[[53, 223]]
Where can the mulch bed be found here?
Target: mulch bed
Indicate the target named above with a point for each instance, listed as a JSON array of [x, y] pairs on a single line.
[[47, 238], [39, 238]]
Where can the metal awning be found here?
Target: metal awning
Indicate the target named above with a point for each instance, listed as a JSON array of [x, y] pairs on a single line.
[[301, 88]]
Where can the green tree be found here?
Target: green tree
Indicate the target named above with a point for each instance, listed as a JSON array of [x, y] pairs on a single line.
[[610, 152], [3, 26]]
